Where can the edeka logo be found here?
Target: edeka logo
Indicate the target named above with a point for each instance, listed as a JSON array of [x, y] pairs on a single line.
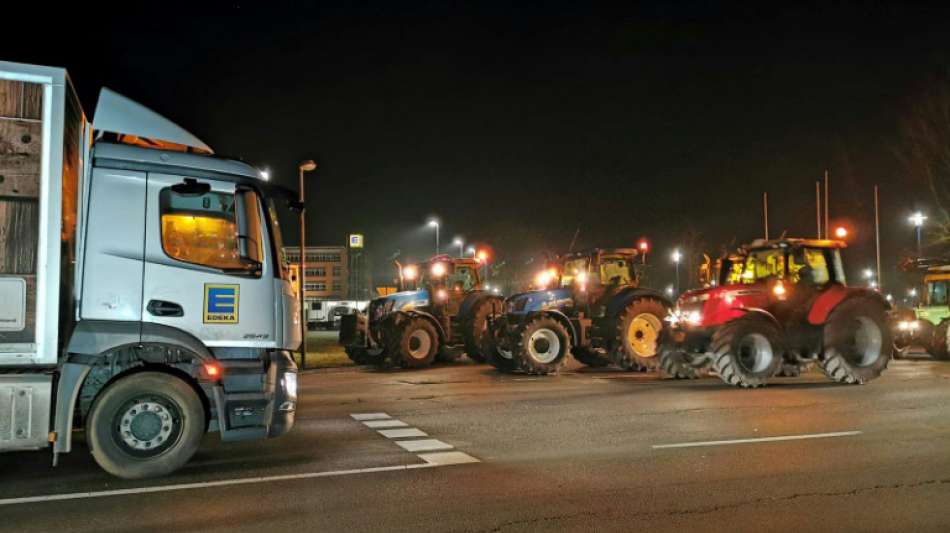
[[221, 303]]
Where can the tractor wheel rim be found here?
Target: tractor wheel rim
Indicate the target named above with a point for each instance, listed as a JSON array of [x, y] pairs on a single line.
[[420, 343], [755, 353], [865, 344], [544, 345], [643, 334]]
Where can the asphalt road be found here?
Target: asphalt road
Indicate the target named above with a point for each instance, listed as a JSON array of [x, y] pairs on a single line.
[[587, 450]]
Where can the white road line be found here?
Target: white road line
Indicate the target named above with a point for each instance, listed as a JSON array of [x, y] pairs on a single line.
[[370, 416], [425, 445], [402, 433], [448, 458], [761, 439], [211, 484], [379, 424]]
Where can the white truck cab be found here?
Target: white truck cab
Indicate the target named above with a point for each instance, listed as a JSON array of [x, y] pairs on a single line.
[[143, 290]]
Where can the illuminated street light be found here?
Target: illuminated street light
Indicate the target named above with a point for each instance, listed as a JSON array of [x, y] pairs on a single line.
[[433, 223], [868, 273], [912, 293], [461, 244], [918, 219], [676, 257], [470, 250], [669, 290]]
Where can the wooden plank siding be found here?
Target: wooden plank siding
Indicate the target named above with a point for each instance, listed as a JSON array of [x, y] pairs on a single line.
[[21, 109]]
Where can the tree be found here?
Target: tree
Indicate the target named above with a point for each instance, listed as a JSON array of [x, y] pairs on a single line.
[[924, 150]]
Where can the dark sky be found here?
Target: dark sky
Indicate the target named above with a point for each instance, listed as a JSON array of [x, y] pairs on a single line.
[[516, 126]]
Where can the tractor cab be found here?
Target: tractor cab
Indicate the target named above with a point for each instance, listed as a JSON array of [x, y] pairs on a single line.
[[935, 308], [777, 274]]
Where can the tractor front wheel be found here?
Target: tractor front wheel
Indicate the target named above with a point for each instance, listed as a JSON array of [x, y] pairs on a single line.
[[543, 347], [639, 332], [415, 345], [499, 352], [857, 341], [677, 364], [478, 337], [747, 351], [939, 346]]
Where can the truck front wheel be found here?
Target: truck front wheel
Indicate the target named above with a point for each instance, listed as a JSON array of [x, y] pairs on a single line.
[[145, 425]]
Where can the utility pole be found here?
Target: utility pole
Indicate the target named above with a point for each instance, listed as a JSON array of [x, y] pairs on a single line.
[[827, 223], [305, 166], [765, 212], [818, 205], [877, 238]]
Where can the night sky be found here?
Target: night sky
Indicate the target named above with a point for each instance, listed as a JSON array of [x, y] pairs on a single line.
[[517, 126]]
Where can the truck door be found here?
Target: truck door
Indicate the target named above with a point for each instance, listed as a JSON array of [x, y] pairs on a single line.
[[208, 266]]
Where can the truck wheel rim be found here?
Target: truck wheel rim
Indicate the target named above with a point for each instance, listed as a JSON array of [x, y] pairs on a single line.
[[544, 345], [864, 348], [755, 353], [643, 333], [147, 426], [420, 343]]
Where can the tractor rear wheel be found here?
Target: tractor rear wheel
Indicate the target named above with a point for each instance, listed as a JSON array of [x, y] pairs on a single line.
[[499, 353], [415, 345], [747, 351], [475, 330], [938, 347], [543, 347], [677, 364], [639, 333], [857, 341], [590, 357]]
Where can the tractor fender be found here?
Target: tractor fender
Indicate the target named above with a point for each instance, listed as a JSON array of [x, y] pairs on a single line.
[[623, 298], [399, 316], [761, 313], [832, 298], [471, 302], [560, 317]]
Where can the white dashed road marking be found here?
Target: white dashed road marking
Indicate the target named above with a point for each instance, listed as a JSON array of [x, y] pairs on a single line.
[[761, 439], [425, 445], [402, 433], [447, 458], [370, 416], [379, 424]]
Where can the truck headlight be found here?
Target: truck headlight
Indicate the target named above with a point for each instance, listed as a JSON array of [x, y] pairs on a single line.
[[290, 386]]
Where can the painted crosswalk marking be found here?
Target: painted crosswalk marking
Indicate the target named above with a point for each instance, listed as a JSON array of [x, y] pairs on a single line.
[[382, 424], [424, 445], [370, 416], [402, 433], [433, 451]]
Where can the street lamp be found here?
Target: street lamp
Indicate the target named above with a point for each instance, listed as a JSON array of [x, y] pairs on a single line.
[[305, 166], [677, 257], [917, 219], [433, 223], [470, 250], [868, 273], [461, 244]]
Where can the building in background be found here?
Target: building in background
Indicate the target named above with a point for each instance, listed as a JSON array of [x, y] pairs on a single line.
[[335, 272]]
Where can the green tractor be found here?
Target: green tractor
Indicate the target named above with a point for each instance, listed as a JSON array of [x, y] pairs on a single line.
[[928, 324]]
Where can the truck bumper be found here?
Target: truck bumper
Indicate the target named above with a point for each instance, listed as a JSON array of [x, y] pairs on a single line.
[[255, 399]]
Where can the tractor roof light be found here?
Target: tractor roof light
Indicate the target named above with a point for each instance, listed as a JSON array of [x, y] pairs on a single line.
[[410, 272], [438, 270]]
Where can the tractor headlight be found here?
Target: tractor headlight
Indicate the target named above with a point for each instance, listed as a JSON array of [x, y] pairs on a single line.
[[908, 325]]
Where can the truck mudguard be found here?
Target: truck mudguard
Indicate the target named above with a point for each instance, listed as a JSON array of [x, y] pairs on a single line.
[[95, 337]]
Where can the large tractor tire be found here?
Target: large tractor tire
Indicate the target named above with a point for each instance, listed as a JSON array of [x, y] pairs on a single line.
[[499, 353], [590, 357], [939, 347], [478, 338], [145, 425], [747, 351], [415, 343], [639, 334], [676, 363], [857, 341], [366, 356], [543, 347]]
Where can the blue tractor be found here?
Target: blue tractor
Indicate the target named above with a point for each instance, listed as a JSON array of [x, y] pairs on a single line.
[[439, 312], [588, 304]]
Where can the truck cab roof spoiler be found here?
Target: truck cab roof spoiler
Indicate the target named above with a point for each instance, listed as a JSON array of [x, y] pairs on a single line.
[[125, 117]]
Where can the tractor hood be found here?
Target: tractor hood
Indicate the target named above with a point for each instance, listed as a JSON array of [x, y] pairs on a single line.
[[532, 301], [400, 301]]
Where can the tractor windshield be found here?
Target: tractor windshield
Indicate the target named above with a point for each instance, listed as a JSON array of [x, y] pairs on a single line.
[[462, 278], [937, 292], [763, 264], [572, 268], [615, 270], [811, 266]]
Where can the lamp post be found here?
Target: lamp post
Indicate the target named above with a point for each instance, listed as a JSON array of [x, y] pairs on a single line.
[[917, 219], [470, 250], [435, 224], [461, 244], [677, 256], [305, 166]]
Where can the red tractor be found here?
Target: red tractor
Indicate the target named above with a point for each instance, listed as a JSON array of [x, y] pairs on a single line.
[[776, 307]]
